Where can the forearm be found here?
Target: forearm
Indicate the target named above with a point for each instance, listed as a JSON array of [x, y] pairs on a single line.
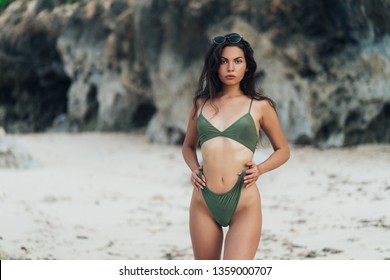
[[276, 159], [190, 157]]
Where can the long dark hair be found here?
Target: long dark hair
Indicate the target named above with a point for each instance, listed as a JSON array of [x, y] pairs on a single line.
[[209, 84]]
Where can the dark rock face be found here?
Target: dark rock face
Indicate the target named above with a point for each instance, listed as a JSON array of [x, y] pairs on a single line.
[[121, 65], [33, 84]]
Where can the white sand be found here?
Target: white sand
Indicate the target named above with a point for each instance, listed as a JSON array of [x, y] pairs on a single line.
[[116, 196]]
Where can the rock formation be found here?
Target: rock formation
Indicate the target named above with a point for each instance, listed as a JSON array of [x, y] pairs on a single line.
[[121, 65], [33, 84]]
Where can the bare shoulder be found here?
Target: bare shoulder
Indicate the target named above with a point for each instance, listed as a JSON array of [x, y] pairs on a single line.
[[199, 103], [262, 106], [262, 110]]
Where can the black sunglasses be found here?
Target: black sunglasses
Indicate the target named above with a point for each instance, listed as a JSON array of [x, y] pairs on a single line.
[[232, 39]]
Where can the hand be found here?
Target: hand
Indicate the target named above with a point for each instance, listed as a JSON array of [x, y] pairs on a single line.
[[197, 182], [252, 174]]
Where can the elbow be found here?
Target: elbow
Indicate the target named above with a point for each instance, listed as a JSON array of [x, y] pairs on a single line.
[[284, 152], [287, 153], [185, 149]]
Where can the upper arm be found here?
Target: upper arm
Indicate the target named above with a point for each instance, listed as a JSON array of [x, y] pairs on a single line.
[[269, 122], [192, 137]]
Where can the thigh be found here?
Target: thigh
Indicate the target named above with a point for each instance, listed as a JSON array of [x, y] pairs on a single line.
[[206, 234], [243, 237]]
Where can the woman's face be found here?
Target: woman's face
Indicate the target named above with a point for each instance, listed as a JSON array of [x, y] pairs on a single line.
[[232, 66]]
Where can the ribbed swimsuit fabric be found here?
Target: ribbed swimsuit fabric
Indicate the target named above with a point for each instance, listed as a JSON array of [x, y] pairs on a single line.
[[223, 206], [243, 130]]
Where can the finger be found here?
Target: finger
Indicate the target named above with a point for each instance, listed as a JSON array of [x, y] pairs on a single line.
[[250, 172], [193, 181], [249, 176], [195, 175], [251, 180], [196, 185], [247, 171], [202, 180], [199, 182]]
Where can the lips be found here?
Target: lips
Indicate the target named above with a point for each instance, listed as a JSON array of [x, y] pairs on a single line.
[[230, 77]]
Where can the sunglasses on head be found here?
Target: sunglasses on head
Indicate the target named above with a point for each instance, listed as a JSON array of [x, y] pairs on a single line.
[[231, 38]]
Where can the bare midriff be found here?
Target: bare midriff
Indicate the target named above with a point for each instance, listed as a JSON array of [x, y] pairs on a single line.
[[223, 160]]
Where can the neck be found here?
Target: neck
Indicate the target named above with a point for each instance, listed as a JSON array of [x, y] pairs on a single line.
[[231, 91]]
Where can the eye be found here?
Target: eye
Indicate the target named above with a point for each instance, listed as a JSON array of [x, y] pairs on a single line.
[[222, 61], [239, 60]]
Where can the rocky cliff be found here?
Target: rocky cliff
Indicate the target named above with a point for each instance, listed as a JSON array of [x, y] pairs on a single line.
[[121, 65]]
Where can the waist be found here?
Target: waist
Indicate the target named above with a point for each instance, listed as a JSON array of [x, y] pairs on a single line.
[[223, 160], [222, 180]]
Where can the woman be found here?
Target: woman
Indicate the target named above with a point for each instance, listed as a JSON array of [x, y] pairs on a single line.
[[226, 118]]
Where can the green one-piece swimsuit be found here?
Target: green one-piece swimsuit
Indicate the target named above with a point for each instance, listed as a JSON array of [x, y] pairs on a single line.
[[222, 206]]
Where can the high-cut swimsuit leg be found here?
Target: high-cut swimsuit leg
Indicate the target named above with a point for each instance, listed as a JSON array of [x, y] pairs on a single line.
[[223, 206], [243, 130]]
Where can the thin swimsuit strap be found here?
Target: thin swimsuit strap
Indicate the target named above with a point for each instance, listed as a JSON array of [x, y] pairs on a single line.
[[250, 106], [243, 130]]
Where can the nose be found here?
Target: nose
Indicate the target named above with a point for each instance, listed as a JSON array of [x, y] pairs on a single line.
[[230, 66]]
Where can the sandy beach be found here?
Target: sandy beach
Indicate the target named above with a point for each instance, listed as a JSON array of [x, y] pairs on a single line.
[[117, 196]]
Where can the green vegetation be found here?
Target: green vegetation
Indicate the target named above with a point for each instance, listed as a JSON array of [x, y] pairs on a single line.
[[4, 3]]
